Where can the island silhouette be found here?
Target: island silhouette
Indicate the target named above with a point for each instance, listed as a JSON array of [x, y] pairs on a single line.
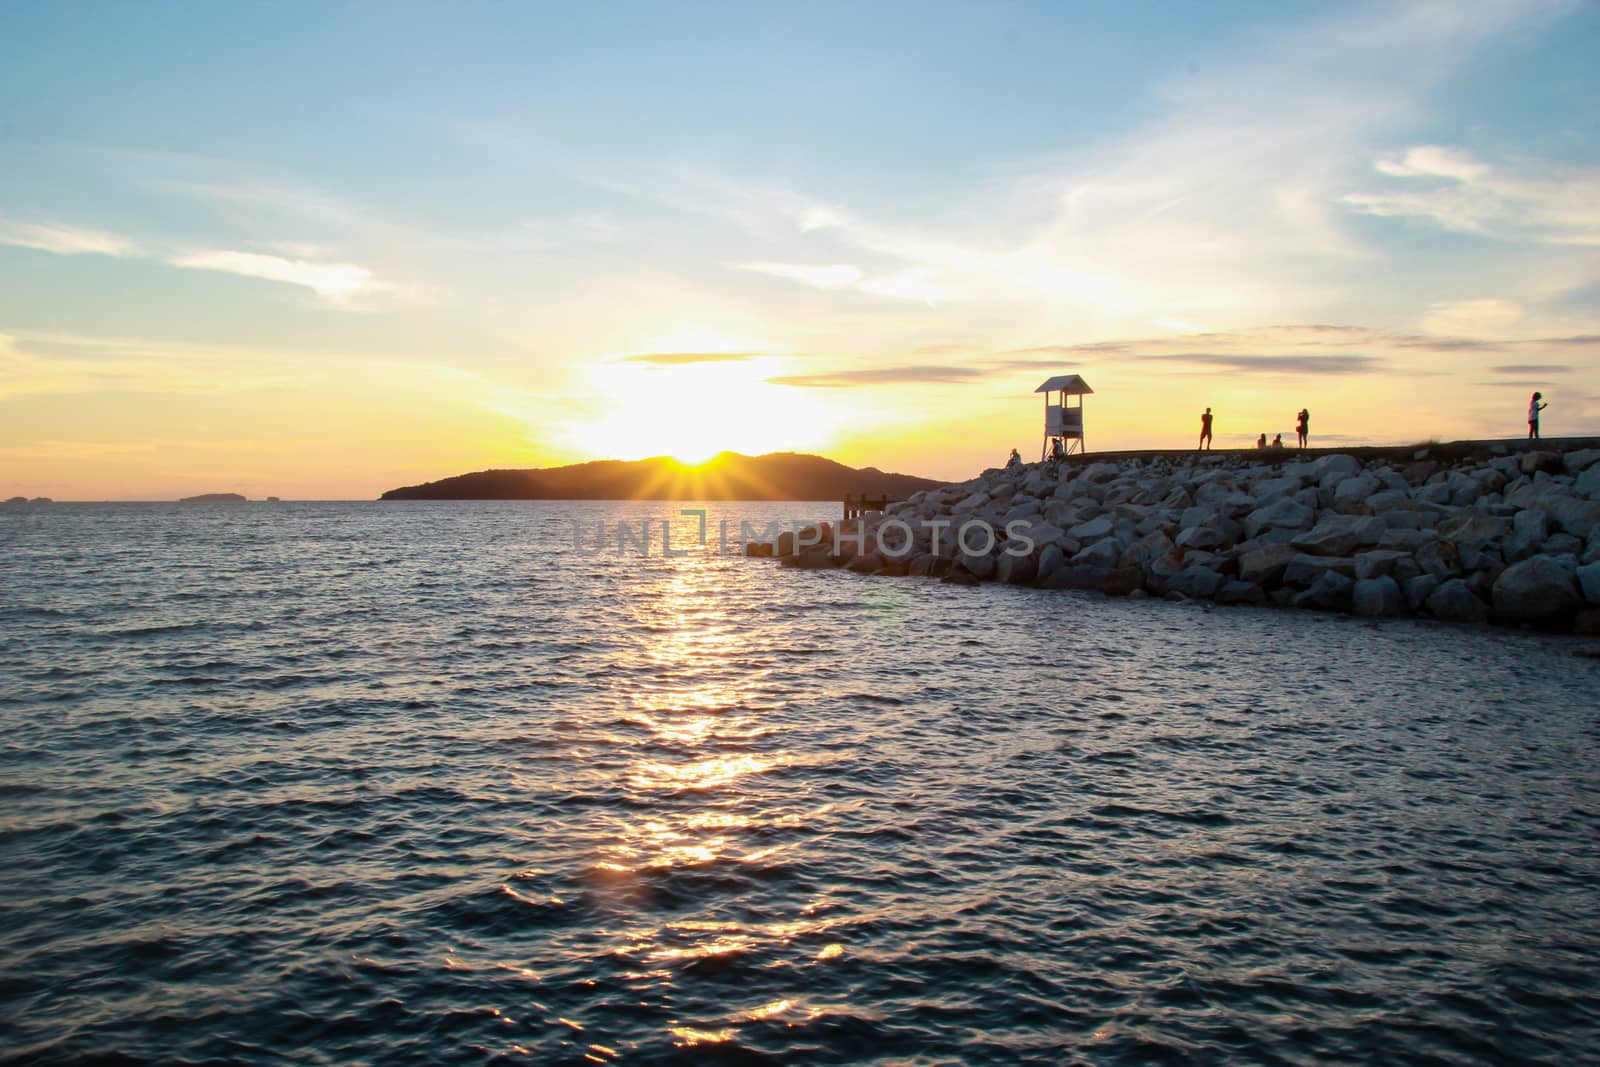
[[728, 476]]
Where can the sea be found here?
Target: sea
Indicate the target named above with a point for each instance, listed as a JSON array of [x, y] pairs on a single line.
[[499, 782]]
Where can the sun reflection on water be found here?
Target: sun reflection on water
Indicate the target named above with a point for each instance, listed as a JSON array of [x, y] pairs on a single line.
[[703, 731]]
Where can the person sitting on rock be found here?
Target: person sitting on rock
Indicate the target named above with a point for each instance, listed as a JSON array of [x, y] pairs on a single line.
[[1277, 441], [1015, 460], [1261, 442], [1056, 454]]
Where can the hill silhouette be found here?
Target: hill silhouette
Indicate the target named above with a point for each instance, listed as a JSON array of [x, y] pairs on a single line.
[[729, 476]]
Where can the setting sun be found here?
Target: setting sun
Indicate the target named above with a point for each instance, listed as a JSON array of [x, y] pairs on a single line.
[[691, 406]]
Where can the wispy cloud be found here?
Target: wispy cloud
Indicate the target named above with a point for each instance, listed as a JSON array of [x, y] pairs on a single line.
[[1274, 364], [834, 276], [925, 374], [678, 359], [1473, 317], [65, 240], [916, 284], [1535, 368], [1229, 206], [1527, 200], [334, 281]]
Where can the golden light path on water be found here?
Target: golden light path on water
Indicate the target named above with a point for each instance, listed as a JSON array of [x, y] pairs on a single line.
[[691, 701]]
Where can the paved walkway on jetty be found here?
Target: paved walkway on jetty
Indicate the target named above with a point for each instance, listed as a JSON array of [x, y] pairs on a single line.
[[1445, 452]]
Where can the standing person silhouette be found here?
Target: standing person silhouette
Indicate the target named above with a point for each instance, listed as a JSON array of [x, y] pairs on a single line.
[[1534, 407], [1302, 426], [1205, 431]]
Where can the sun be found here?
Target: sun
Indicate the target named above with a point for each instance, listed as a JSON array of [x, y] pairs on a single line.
[[695, 408]]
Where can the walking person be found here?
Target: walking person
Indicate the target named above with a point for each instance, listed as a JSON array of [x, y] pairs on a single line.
[[1534, 407], [1302, 426], [1205, 431]]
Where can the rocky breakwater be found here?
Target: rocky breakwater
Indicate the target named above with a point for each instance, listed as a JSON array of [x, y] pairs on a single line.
[[1467, 533]]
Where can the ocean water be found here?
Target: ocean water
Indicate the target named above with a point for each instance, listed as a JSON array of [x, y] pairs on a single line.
[[419, 783]]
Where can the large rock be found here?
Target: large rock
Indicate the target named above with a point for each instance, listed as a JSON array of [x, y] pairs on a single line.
[[1548, 462], [1472, 529], [1378, 562], [1418, 589], [866, 564], [1016, 570], [1281, 514], [1529, 528], [1378, 597], [1100, 472], [1304, 570], [1389, 500], [1041, 533], [1329, 471], [1124, 581], [1150, 547], [1454, 601], [1264, 566], [1539, 591], [1239, 592], [1353, 492], [1271, 488], [1409, 539], [1580, 460], [1051, 559], [1073, 576], [1340, 535], [1196, 582], [980, 567], [1094, 529], [1332, 591], [1439, 558], [1580, 518], [1106, 554], [1589, 582], [1588, 484], [1204, 538], [973, 502]]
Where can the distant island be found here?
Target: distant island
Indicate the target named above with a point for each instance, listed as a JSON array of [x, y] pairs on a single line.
[[215, 498], [729, 476]]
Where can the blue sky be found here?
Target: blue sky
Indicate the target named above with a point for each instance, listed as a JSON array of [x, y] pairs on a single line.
[[896, 215]]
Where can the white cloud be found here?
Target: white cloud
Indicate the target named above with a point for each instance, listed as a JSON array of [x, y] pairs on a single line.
[[1472, 318], [819, 218], [1527, 201], [836, 276], [65, 240], [907, 285], [915, 284], [1433, 161], [335, 281], [1228, 209]]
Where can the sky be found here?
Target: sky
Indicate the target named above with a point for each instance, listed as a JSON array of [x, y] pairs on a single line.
[[319, 251]]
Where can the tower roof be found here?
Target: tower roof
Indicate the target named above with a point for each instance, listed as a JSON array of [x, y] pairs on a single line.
[[1067, 383]]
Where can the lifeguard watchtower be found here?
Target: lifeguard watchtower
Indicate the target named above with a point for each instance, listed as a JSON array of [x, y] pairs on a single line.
[[1063, 419]]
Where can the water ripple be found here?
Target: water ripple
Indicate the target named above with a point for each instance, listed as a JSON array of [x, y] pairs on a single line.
[[415, 783]]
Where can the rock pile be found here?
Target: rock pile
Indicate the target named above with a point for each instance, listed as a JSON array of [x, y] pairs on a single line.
[[1472, 535]]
